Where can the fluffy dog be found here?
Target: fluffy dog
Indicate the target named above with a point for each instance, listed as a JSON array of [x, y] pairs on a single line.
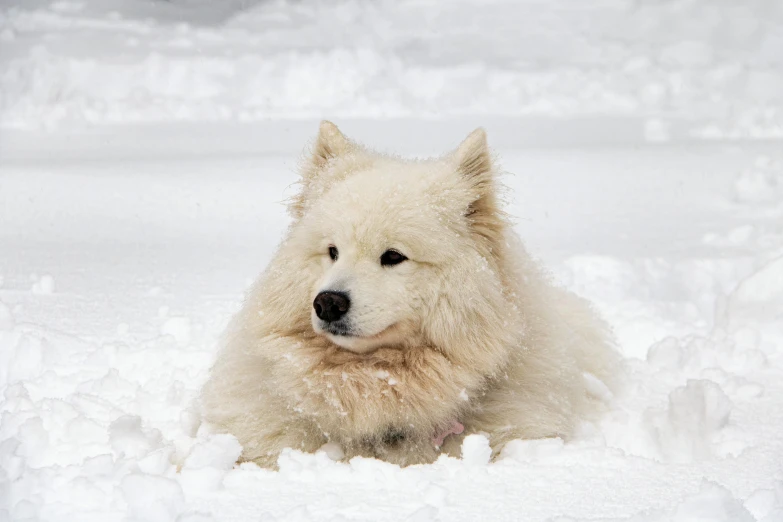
[[400, 314]]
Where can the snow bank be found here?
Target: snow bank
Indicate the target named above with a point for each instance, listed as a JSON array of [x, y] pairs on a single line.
[[715, 67]]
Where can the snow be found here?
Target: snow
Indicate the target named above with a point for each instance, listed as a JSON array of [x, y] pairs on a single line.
[[43, 285], [760, 184], [714, 67], [177, 327], [476, 451], [145, 148]]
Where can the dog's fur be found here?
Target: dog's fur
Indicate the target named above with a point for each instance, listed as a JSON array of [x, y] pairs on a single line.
[[468, 329]]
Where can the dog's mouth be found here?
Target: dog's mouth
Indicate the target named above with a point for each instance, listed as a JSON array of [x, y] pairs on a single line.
[[340, 330], [349, 339]]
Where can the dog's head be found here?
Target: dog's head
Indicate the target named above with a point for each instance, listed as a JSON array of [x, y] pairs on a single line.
[[400, 251]]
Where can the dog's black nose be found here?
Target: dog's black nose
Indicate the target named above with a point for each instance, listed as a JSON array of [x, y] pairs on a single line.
[[331, 306]]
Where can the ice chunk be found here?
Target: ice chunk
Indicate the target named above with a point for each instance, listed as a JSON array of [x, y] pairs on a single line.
[[219, 451], [476, 450], [128, 440], [695, 413], [333, 451]]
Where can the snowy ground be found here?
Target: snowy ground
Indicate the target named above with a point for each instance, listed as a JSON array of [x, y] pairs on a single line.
[[140, 186]]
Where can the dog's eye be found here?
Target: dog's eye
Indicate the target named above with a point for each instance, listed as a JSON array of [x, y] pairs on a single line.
[[392, 257], [333, 253]]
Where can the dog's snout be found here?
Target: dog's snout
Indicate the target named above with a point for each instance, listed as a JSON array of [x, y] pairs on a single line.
[[331, 306]]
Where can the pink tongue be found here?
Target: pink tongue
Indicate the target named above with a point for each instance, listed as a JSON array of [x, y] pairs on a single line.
[[454, 429]]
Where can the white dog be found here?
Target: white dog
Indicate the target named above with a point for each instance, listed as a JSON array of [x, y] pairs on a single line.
[[401, 313]]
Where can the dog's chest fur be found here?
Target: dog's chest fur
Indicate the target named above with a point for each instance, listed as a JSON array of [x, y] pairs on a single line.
[[391, 398]]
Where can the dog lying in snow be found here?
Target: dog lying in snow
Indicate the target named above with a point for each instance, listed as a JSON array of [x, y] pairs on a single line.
[[400, 314]]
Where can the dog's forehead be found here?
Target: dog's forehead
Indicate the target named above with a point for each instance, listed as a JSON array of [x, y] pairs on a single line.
[[388, 201], [393, 184]]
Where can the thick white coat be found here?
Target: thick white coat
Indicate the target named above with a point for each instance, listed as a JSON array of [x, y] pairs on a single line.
[[467, 329]]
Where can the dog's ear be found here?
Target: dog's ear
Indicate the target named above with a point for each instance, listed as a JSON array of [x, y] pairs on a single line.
[[476, 168], [474, 165], [474, 159], [329, 144]]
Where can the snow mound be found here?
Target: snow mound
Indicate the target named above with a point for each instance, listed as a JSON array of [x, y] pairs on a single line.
[[754, 311], [43, 285], [761, 184], [476, 450], [766, 504], [713, 66], [762, 290], [688, 428], [128, 440]]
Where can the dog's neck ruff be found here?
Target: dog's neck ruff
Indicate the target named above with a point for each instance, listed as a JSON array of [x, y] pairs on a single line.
[[455, 428]]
